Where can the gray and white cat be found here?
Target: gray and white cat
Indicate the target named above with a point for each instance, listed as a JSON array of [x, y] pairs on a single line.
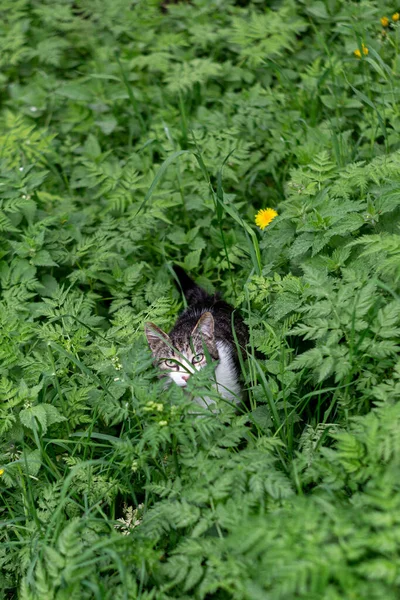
[[203, 333]]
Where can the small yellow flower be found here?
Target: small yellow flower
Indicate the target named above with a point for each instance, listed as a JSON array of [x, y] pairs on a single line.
[[265, 216], [1, 472], [385, 22], [357, 52], [396, 17]]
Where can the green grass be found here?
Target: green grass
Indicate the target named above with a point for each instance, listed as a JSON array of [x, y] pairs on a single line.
[[133, 136]]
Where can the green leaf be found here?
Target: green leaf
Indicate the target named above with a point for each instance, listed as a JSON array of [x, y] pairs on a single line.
[[46, 415], [192, 260], [43, 259], [33, 461], [29, 416], [74, 91]]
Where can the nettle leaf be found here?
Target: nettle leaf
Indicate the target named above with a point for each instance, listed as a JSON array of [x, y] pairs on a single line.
[[192, 260], [53, 415], [75, 91], [348, 224], [301, 244], [5, 223], [33, 461], [43, 259], [44, 414], [28, 417], [320, 241]]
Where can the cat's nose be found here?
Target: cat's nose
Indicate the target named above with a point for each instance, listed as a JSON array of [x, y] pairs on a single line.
[[185, 377]]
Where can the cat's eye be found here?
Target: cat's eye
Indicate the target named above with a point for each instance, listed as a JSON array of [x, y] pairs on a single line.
[[197, 359], [170, 363]]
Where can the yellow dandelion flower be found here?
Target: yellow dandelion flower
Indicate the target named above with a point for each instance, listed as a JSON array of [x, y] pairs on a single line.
[[357, 53], [385, 22], [364, 49], [1, 472], [396, 17], [265, 216]]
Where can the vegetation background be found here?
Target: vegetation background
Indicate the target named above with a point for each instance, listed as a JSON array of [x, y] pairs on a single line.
[[137, 134]]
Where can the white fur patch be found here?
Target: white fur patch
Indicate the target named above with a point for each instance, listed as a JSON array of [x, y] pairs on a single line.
[[227, 383], [226, 379], [177, 377], [226, 375]]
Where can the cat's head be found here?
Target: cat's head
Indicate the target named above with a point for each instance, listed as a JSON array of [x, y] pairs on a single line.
[[185, 351]]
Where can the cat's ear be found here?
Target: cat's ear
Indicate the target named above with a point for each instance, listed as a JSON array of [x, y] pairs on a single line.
[[205, 326], [156, 338]]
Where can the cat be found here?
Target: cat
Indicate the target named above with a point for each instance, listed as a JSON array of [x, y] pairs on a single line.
[[202, 334]]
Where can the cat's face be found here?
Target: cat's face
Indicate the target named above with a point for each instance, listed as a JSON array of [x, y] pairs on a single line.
[[185, 351]]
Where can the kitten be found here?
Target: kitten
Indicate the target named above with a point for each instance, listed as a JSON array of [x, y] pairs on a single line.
[[202, 333]]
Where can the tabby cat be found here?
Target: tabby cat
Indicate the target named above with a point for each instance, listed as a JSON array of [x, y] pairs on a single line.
[[202, 334]]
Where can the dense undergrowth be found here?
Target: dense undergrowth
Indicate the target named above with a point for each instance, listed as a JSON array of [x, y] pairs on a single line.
[[135, 135]]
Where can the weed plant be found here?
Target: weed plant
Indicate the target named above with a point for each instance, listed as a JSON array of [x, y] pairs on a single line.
[[138, 134]]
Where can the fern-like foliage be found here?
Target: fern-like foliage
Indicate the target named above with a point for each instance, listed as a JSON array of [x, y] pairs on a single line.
[[138, 135]]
